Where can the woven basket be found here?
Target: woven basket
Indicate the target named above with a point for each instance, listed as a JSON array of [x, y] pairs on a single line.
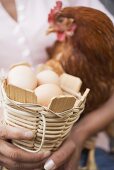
[[51, 125]]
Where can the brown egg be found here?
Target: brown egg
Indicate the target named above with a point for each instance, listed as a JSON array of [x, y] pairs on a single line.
[[46, 92]]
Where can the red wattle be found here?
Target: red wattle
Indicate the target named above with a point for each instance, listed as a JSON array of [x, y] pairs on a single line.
[[61, 36]]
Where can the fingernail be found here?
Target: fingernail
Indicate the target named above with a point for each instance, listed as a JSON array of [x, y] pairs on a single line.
[[49, 165], [29, 134]]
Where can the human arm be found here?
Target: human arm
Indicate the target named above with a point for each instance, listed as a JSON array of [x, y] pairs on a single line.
[[69, 153]]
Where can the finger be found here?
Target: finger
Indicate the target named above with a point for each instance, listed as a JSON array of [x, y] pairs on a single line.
[[12, 152], [61, 168], [73, 162], [60, 156], [13, 165], [9, 132]]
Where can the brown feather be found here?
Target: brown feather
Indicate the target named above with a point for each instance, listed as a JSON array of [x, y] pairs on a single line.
[[89, 53]]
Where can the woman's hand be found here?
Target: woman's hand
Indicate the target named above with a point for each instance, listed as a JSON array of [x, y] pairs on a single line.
[[14, 158], [68, 155]]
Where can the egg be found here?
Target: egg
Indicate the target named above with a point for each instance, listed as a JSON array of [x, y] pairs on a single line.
[[23, 77], [46, 92], [42, 67], [47, 76]]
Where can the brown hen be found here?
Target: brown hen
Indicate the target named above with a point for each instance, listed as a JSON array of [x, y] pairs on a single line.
[[85, 48]]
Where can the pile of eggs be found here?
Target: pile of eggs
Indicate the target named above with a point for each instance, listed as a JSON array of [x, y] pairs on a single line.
[[45, 84]]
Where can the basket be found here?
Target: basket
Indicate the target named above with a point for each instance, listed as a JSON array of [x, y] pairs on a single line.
[[51, 125]]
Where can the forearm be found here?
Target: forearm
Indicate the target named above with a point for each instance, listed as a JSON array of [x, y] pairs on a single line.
[[96, 120]]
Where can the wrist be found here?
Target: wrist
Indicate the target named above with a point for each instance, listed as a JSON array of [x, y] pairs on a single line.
[[80, 133]]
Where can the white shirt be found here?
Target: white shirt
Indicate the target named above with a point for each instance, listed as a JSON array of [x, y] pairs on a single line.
[[25, 40]]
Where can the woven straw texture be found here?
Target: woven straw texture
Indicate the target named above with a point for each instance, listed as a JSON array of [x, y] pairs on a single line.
[[51, 125]]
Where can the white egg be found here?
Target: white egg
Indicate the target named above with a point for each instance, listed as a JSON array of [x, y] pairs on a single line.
[[47, 76], [46, 92], [23, 77]]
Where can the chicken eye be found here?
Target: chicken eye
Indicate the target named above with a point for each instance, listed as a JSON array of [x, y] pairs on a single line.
[[60, 20]]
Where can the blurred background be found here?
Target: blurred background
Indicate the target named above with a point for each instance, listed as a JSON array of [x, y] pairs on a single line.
[[109, 4]]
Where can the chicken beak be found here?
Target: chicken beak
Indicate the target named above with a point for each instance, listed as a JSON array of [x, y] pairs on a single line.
[[50, 30]]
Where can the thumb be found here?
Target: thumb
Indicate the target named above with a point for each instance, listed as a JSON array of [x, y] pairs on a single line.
[[9, 132], [59, 157]]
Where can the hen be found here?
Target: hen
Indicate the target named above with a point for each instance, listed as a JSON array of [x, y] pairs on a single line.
[[84, 48]]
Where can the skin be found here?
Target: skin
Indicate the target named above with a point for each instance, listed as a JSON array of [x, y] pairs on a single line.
[[10, 8], [12, 157], [68, 156]]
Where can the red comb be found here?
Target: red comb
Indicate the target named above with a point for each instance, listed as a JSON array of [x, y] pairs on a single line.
[[54, 11]]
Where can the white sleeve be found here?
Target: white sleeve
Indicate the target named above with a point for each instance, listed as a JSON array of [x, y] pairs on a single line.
[[98, 5], [79, 2]]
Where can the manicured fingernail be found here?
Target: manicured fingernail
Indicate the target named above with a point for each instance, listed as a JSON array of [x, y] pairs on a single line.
[[49, 165], [29, 134]]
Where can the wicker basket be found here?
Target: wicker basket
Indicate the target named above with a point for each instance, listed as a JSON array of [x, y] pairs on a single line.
[[51, 125]]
